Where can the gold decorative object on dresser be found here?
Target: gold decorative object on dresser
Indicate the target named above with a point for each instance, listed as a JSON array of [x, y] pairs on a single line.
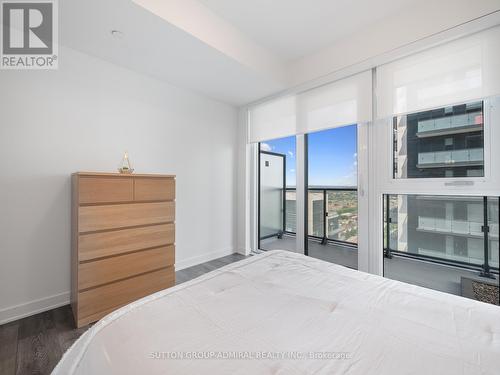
[[123, 240]]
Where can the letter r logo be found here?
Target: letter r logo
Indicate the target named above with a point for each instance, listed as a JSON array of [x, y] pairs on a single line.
[[28, 28]]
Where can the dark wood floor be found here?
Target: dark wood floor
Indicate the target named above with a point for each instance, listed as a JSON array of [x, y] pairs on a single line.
[[35, 344]]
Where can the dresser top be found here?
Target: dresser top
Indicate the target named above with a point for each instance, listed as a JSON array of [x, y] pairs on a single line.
[[107, 174]]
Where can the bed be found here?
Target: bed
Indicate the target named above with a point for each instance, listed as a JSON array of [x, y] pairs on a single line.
[[285, 313]]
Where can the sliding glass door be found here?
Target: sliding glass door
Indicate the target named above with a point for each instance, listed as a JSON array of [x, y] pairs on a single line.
[[277, 195]]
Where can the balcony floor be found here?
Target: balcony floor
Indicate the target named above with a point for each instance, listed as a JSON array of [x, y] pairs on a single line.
[[429, 275], [343, 255]]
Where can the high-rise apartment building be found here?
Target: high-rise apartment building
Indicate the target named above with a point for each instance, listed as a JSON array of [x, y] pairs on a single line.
[[441, 143], [445, 142], [448, 227]]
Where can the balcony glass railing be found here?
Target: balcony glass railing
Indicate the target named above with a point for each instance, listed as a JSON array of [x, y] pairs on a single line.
[[291, 211], [342, 215], [440, 143], [450, 122], [473, 155], [332, 214], [455, 230], [471, 228]]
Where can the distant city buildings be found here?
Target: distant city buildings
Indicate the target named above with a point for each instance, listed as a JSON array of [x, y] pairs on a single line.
[[341, 215]]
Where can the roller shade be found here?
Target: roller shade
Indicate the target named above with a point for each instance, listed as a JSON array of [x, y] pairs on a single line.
[[456, 72], [273, 119], [344, 102]]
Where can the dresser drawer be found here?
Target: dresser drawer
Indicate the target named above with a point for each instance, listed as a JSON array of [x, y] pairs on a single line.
[[96, 302], [103, 244], [96, 218], [154, 189], [105, 190], [103, 271]]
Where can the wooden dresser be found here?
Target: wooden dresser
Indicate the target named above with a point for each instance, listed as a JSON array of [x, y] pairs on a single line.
[[123, 235]]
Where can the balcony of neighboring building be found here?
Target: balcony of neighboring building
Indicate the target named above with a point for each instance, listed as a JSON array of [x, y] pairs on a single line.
[[449, 125], [454, 158]]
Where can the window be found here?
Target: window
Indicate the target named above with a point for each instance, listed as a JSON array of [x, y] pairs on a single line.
[[448, 243], [443, 242], [332, 207], [445, 142]]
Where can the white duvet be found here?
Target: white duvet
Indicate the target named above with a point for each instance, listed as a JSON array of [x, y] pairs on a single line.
[[285, 313]]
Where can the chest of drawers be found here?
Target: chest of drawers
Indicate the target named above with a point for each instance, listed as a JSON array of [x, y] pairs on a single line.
[[123, 240]]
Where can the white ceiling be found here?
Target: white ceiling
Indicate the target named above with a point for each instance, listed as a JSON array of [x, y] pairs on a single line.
[[239, 51], [159, 49], [295, 28]]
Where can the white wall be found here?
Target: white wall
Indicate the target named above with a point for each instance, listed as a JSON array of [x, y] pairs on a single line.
[[83, 117]]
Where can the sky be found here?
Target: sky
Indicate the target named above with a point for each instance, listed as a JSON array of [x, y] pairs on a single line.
[[332, 156]]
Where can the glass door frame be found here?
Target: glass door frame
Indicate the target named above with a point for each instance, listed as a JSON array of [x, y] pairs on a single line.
[[260, 152], [365, 170], [306, 194]]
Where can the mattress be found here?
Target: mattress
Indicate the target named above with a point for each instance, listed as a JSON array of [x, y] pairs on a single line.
[[285, 313]]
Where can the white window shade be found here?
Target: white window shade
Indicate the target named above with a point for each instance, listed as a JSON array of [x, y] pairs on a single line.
[[456, 72], [344, 102], [273, 119]]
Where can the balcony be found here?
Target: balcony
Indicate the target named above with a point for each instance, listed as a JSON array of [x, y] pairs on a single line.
[[330, 251], [457, 227], [436, 276], [446, 265], [332, 225], [425, 244], [456, 158], [333, 214], [457, 124]]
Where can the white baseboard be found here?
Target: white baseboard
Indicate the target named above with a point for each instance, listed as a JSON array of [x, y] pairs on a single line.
[[12, 313], [193, 261]]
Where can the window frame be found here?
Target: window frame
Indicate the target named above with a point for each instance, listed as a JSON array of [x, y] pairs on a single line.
[[485, 149], [453, 185]]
